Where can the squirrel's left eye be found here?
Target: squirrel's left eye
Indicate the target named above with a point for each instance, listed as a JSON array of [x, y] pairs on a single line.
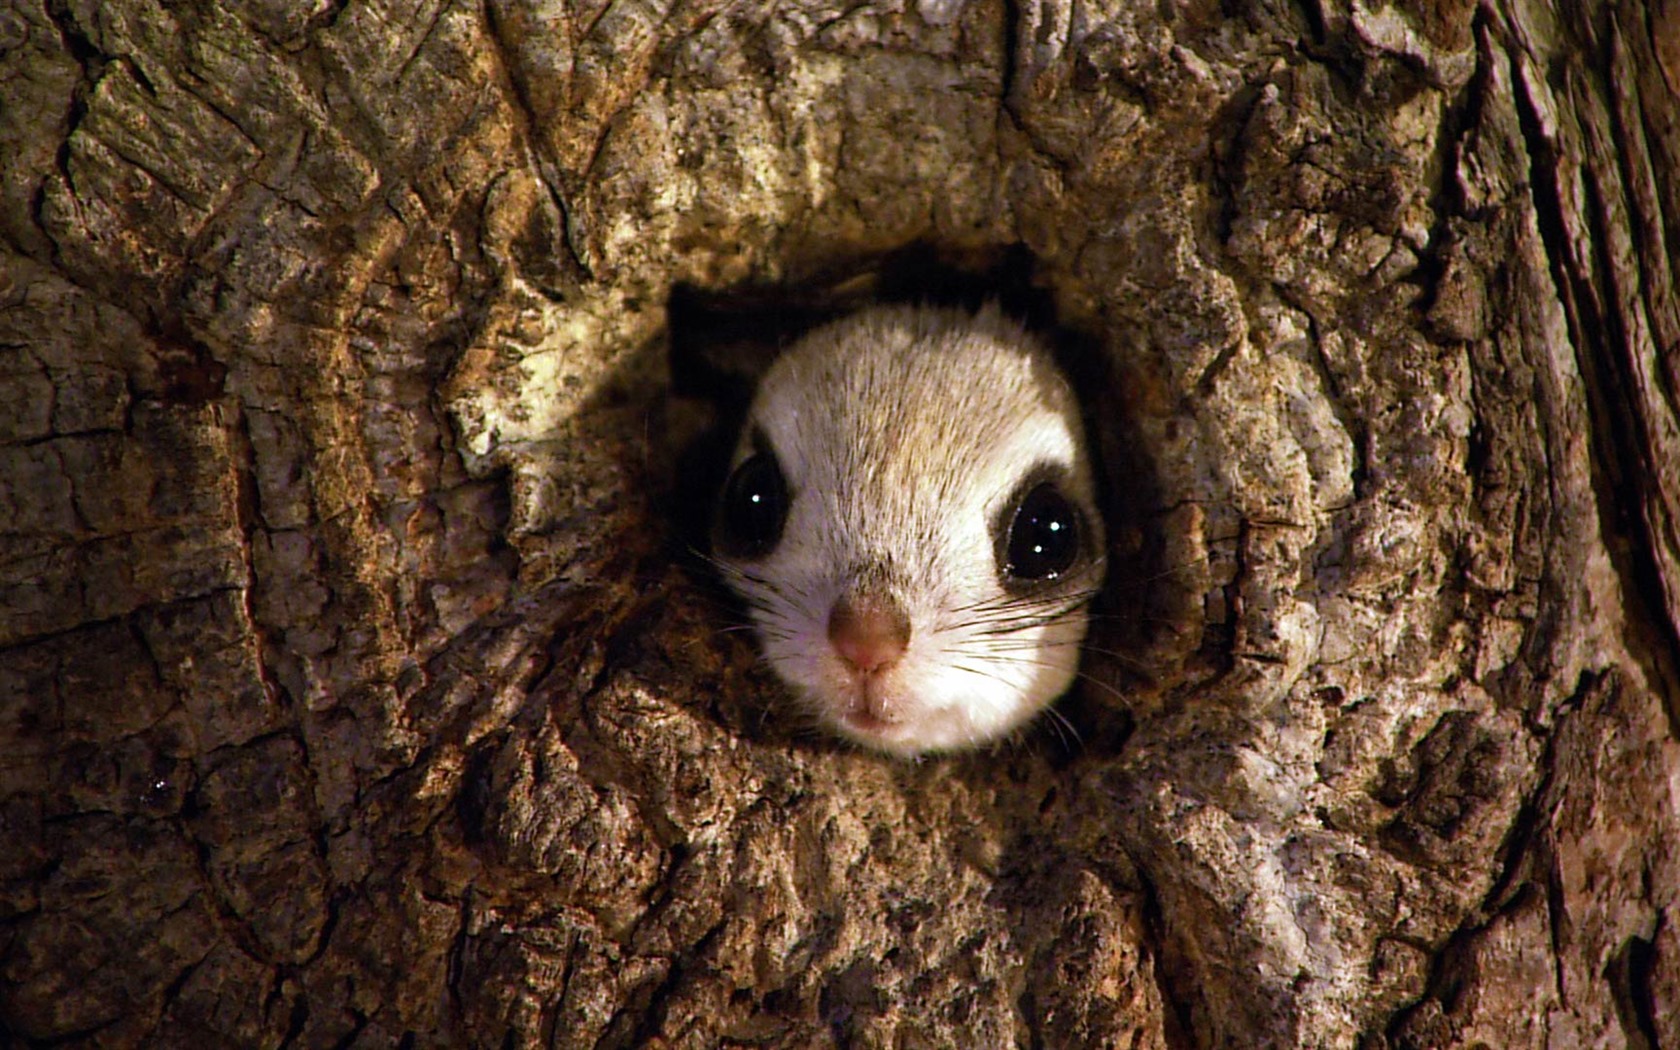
[[1043, 536]]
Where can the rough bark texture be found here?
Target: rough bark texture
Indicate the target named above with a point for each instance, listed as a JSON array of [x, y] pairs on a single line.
[[351, 691]]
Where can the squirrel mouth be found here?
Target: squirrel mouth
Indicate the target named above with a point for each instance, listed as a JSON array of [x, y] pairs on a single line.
[[869, 711], [866, 721]]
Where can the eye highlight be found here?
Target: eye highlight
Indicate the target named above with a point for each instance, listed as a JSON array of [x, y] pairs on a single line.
[[1043, 536], [754, 507]]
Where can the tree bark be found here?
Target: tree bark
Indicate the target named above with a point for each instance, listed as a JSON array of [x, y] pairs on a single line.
[[354, 692]]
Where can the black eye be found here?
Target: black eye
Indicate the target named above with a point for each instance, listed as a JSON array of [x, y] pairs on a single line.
[[754, 507], [1044, 536]]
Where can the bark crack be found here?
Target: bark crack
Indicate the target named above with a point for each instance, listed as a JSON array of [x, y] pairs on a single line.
[[1629, 974], [1602, 349], [542, 164], [1527, 867], [247, 514]]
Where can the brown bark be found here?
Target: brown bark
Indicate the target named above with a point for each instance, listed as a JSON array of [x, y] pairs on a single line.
[[352, 688]]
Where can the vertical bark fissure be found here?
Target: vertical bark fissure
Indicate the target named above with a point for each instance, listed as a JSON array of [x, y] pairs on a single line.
[[247, 513], [1601, 347], [1012, 16], [1179, 1006], [1629, 975]]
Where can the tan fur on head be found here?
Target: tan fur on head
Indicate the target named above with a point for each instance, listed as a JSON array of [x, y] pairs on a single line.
[[906, 439]]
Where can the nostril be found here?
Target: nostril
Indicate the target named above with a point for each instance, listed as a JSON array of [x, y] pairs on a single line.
[[869, 631]]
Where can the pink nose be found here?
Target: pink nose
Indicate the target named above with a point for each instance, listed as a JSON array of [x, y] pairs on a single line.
[[869, 631]]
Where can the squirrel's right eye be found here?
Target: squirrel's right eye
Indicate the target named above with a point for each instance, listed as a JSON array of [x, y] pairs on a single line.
[[755, 505]]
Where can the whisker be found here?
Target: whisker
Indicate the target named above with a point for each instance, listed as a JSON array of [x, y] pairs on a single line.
[[1058, 721], [978, 671], [1007, 600], [1026, 646], [1117, 694], [1001, 610], [1014, 624]]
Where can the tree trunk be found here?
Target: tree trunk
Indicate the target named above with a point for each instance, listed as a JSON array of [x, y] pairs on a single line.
[[353, 691]]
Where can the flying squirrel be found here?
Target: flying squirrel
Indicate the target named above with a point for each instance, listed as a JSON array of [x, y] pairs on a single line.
[[911, 523]]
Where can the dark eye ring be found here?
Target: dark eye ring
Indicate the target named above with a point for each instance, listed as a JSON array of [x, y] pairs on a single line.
[[1044, 538], [754, 507]]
